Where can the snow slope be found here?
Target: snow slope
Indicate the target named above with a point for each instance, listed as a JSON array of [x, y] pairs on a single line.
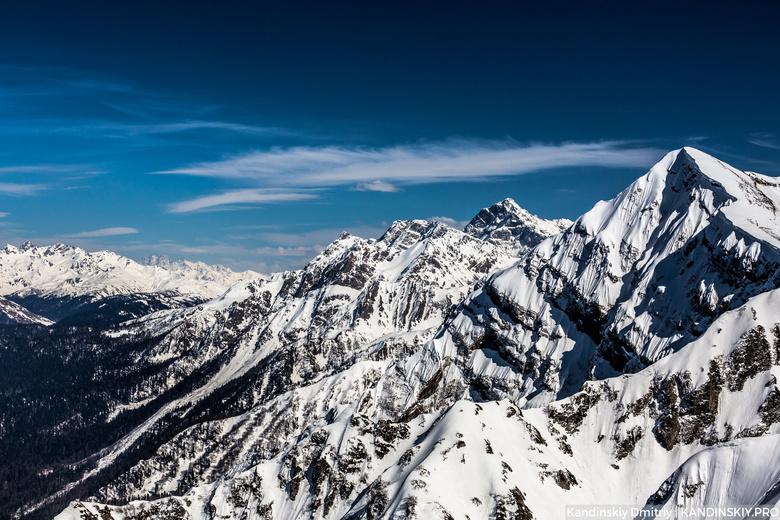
[[11, 313]]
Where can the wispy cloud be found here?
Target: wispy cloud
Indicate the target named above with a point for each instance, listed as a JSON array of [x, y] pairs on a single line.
[[102, 129], [51, 169], [43, 98], [454, 160], [382, 169], [105, 232], [187, 126], [376, 186], [245, 196], [10, 188], [765, 140], [36, 168], [113, 129]]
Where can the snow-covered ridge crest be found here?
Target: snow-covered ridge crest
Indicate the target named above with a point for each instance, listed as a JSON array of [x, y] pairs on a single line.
[[199, 270], [66, 271]]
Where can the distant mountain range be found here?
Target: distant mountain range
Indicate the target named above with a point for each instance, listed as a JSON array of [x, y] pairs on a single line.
[[505, 371], [63, 282]]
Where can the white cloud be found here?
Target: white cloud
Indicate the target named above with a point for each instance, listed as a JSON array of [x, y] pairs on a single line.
[[454, 160], [246, 196], [764, 141], [134, 129], [20, 189], [41, 168], [382, 169], [3, 214], [105, 232], [376, 186]]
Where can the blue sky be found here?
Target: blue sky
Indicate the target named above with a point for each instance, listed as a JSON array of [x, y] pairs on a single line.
[[252, 134]]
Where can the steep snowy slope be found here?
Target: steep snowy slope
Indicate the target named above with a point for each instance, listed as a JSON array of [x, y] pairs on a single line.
[[631, 359], [507, 224], [11, 312], [60, 280]]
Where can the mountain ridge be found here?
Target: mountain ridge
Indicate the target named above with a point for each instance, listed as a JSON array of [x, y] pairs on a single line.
[[67, 282], [63, 270], [371, 298]]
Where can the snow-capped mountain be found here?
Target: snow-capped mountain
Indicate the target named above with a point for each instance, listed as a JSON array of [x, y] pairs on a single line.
[[59, 280], [215, 279], [507, 224], [633, 279], [630, 359], [62, 270]]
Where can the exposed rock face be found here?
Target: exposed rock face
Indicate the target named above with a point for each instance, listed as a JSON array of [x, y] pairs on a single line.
[[431, 374], [507, 224]]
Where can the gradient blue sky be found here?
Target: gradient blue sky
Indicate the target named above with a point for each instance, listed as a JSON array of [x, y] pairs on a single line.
[[251, 134]]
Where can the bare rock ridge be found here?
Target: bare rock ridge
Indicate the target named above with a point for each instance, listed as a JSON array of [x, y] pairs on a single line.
[[505, 223], [502, 372]]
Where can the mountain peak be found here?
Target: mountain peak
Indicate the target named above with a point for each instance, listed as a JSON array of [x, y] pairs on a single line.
[[404, 233], [507, 224], [509, 204], [749, 201]]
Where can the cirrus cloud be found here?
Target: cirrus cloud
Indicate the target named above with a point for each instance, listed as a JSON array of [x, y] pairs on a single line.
[[454, 160], [246, 196], [105, 232], [383, 169], [10, 188], [376, 186]]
